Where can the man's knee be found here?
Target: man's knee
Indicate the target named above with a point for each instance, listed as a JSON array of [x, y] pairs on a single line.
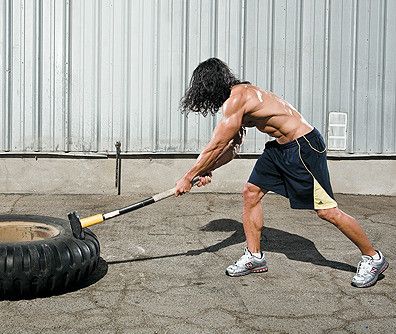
[[252, 194], [330, 215]]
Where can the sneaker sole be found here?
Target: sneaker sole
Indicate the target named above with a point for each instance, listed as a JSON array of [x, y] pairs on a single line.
[[253, 271], [367, 285]]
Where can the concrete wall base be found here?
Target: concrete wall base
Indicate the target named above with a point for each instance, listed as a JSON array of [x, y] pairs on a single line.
[[149, 176]]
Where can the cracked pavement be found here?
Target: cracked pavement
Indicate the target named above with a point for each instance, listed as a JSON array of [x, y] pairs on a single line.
[[163, 269]]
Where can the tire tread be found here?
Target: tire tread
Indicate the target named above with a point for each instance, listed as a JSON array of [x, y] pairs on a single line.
[[49, 266]]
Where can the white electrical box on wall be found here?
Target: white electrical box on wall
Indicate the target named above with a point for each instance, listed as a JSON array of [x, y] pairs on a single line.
[[337, 131]]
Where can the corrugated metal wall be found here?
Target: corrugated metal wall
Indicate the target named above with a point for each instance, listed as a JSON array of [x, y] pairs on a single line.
[[78, 75]]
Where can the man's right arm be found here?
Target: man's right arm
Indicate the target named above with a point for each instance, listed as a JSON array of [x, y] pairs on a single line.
[[227, 128], [230, 152]]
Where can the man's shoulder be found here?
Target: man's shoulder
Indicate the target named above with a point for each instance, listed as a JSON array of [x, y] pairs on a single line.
[[246, 91], [248, 96]]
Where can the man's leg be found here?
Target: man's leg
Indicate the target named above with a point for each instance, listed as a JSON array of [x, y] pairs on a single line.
[[350, 227], [252, 216], [252, 225], [373, 263]]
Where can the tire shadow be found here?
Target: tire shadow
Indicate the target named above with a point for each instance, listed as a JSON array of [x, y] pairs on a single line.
[[293, 246], [99, 272]]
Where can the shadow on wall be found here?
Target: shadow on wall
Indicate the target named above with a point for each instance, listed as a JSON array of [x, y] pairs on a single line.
[[295, 247]]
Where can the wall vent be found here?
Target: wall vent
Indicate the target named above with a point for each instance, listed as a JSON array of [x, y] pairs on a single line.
[[337, 131]]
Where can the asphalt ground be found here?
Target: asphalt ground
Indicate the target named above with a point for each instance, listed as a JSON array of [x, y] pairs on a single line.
[[163, 270]]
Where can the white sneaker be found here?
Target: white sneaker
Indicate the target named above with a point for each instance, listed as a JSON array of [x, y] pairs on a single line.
[[247, 264], [368, 271]]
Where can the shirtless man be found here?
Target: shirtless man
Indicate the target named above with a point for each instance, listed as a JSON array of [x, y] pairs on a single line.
[[293, 164]]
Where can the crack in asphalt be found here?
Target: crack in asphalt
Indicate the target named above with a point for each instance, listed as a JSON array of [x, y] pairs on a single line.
[[13, 205]]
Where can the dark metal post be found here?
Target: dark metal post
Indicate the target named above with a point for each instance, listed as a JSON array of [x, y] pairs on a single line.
[[118, 167]]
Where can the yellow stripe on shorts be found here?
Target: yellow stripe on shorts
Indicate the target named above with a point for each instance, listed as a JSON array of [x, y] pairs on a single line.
[[322, 200]]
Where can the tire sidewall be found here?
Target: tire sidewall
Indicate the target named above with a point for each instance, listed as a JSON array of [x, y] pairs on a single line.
[[60, 224], [46, 266]]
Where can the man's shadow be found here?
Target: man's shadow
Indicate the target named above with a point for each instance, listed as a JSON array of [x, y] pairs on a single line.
[[295, 247]]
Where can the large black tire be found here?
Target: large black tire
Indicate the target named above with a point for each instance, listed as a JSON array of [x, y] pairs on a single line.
[[40, 256]]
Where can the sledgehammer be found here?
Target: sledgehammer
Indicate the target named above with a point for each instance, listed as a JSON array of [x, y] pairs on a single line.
[[78, 224]]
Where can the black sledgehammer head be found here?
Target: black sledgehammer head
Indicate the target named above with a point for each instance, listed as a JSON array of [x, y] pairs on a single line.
[[75, 225]]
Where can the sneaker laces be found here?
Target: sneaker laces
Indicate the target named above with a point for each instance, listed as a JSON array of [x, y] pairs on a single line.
[[243, 258], [364, 266]]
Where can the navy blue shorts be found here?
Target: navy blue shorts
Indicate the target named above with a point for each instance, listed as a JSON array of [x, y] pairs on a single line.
[[297, 170]]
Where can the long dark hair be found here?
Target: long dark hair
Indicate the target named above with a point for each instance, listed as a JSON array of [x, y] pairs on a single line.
[[210, 87]]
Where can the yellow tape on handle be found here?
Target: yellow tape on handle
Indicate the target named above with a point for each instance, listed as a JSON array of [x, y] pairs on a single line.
[[99, 218], [89, 221]]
